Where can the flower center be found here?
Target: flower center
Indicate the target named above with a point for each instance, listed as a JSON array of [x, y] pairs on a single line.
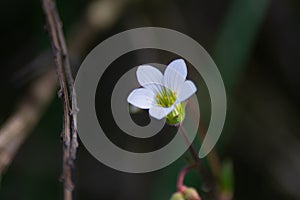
[[166, 97]]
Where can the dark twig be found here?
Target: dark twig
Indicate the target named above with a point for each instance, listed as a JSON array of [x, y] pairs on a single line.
[[27, 115], [212, 158], [67, 93], [70, 82], [20, 124]]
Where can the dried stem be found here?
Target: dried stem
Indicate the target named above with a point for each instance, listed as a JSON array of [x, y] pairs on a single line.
[[27, 115], [28, 112], [212, 157], [70, 81], [67, 93]]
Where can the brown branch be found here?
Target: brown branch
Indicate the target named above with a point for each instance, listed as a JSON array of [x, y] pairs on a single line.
[[67, 93], [19, 125], [27, 115], [69, 78], [212, 157]]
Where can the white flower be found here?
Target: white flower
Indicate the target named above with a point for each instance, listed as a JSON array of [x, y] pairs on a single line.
[[163, 94]]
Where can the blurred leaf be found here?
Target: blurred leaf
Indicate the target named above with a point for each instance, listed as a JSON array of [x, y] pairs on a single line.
[[237, 36], [233, 48], [226, 177]]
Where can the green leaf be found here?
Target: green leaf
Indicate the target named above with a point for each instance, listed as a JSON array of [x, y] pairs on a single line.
[[226, 177], [237, 36]]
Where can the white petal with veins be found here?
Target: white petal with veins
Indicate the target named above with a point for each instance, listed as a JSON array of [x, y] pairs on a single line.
[[175, 74], [141, 98], [159, 112], [187, 89], [148, 75]]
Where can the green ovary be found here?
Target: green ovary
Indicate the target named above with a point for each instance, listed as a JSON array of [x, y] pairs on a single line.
[[166, 98]]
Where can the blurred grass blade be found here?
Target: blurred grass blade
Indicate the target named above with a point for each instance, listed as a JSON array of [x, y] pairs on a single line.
[[236, 38], [226, 178]]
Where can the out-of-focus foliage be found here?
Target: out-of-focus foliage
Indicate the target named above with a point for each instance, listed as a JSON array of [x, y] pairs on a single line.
[[226, 177], [255, 44]]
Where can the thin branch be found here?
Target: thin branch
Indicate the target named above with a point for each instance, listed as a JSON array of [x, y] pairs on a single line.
[[70, 82], [27, 115], [67, 93], [212, 158], [20, 124]]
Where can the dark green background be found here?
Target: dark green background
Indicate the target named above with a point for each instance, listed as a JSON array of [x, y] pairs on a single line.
[[255, 44]]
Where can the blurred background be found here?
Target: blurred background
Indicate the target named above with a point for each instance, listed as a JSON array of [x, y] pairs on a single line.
[[256, 46]]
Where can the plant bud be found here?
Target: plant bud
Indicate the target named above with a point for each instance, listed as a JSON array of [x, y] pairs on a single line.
[[191, 194], [177, 196]]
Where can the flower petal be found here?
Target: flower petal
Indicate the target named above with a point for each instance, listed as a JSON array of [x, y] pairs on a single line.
[[175, 74], [179, 66], [148, 75], [155, 88], [159, 112], [142, 98], [187, 89]]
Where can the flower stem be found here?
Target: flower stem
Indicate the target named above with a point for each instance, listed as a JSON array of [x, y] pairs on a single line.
[[206, 176], [180, 185], [191, 148]]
